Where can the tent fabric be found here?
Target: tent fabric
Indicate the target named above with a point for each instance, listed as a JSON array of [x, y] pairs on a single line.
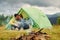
[[39, 18], [8, 26]]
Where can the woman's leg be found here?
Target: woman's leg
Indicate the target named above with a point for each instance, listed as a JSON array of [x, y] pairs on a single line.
[[13, 27]]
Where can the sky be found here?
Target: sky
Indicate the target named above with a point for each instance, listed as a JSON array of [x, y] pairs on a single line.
[[10, 7]]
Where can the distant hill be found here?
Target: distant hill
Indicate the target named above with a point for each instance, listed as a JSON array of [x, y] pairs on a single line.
[[53, 18], [57, 14]]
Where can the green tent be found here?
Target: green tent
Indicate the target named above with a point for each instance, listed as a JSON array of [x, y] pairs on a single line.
[[39, 18]]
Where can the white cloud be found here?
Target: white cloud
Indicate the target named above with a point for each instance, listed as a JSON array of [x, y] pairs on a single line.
[[12, 6], [26, 5], [47, 10]]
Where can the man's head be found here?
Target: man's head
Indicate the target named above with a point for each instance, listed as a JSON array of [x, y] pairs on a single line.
[[17, 17]]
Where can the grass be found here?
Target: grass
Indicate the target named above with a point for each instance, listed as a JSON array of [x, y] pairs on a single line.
[[54, 32], [5, 34]]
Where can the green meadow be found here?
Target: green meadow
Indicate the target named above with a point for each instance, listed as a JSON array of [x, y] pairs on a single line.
[[6, 34]]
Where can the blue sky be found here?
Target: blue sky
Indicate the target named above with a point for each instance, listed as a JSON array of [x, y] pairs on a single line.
[[9, 7]]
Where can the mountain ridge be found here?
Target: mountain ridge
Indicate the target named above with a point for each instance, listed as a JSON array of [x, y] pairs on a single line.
[[53, 18]]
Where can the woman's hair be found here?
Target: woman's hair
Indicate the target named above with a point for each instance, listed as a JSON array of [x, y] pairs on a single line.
[[21, 15]]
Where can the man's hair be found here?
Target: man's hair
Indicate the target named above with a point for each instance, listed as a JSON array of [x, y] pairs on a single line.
[[15, 15], [18, 15], [21, 15]]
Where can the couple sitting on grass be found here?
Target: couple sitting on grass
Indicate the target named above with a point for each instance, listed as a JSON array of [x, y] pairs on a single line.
[[19, 23]]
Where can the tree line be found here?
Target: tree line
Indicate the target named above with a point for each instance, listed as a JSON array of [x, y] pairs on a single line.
[[58, 20], [4, 19]]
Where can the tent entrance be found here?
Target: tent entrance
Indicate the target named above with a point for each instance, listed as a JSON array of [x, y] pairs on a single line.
[[27, 17]]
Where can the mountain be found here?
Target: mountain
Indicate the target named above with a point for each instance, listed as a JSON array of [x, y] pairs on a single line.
[[53, 18], [57, 14]]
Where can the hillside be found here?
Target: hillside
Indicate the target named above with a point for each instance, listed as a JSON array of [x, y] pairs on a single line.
[[53, 18]]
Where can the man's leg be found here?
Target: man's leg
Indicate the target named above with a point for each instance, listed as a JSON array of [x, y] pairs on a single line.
[[19, 28], [26, 26]]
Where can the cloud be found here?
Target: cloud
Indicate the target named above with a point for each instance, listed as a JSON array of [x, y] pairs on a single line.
[[34, 2], [43, 2], [12, 6], [47, 10], [7, 9]]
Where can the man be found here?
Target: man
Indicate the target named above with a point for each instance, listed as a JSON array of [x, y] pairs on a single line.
[[19, 23]]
